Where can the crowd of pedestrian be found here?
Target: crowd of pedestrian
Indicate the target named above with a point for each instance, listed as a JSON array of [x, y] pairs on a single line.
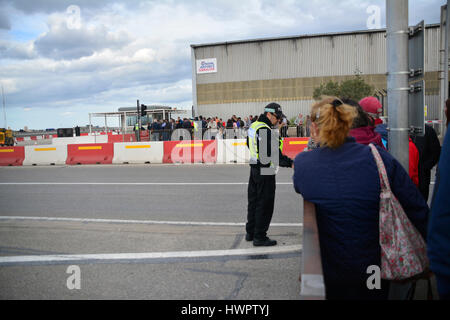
[[161, 129]]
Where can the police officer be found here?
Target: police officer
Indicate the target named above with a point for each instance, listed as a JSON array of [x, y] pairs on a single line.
[[261, 186], [136, 131]]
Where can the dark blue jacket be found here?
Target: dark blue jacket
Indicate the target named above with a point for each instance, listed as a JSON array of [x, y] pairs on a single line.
[[382, 130], [156, 126], [344, 185], [439, 228]]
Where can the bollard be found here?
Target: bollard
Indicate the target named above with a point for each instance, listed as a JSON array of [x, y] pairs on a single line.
[[312, 283]]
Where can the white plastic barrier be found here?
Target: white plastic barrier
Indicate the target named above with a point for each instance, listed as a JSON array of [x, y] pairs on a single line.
[[232, 151], [45, 155], [138, 152], [80, 140]]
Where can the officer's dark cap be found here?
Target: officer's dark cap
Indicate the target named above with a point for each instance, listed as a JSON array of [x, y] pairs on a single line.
[[274, 108]]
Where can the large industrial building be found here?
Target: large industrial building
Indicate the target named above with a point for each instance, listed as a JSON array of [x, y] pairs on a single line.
[[241, 77]]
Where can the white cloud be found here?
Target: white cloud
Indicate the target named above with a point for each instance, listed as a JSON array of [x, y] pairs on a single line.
[[64, 42]]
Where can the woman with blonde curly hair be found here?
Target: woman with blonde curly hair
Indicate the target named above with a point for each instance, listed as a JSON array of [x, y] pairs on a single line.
[[341, 179]]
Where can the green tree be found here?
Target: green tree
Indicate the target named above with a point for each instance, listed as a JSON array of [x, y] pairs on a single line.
[[330, 88], [292, 121], [355, 89]]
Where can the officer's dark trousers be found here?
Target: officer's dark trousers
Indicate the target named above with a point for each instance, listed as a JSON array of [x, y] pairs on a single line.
[[261, 197]]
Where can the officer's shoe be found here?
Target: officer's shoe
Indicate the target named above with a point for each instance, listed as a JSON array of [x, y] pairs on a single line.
[[248, 237], [266, 242]]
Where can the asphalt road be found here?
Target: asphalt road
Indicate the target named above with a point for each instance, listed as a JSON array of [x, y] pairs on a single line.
[[143, 232]]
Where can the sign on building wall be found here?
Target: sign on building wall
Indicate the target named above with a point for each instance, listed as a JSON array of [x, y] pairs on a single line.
[[207, 65]]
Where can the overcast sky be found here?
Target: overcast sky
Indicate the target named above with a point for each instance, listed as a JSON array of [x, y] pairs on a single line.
[[61, 59]]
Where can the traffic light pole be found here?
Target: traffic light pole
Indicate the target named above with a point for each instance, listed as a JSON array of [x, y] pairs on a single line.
[[138, 131], [397, 79]]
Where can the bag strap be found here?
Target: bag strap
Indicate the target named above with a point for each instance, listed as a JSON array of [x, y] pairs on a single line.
[[384, 181]]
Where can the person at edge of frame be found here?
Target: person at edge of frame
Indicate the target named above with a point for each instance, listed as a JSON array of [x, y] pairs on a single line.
[[261, 186]]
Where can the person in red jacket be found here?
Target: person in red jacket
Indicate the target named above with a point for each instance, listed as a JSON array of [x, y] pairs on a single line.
[[362, 128], [364, 133], [413, 163], [373, 107]]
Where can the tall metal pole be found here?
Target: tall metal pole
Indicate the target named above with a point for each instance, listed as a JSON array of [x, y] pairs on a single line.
[[4, 108], [397, 79], [90, 124], [124, 123], [138, 119], [194, 83]]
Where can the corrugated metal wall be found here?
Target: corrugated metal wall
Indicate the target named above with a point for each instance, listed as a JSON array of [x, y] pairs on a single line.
[[296, 58], [302, 58]]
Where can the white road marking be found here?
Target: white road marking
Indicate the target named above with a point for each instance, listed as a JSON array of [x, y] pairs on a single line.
[[136, 183], [189, 223], [111, 257]]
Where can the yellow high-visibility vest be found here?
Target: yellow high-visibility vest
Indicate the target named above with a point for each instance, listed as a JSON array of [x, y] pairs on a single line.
[[252, 142]]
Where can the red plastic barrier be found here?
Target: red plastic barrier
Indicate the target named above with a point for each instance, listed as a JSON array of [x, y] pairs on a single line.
[[293, 146], [92, 153], [129, 137], [12, 156], [145, 135], [190, 151]]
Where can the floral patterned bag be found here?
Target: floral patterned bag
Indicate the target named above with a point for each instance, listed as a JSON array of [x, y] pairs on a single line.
[[403, 250]]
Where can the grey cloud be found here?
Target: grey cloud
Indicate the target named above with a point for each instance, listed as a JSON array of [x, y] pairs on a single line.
[[17, 51], [4, 21], [75, 84], [62, 43], [51, 6]]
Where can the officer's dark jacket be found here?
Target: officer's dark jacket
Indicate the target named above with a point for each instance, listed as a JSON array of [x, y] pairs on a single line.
[[284, 161]]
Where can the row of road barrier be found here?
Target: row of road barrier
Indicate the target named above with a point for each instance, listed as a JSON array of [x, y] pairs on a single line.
[[91, 152], [101, 137]]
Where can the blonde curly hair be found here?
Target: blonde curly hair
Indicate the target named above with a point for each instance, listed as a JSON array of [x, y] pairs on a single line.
[[334, 120]]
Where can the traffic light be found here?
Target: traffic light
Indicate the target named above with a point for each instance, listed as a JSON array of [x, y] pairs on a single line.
[[143, 108]]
